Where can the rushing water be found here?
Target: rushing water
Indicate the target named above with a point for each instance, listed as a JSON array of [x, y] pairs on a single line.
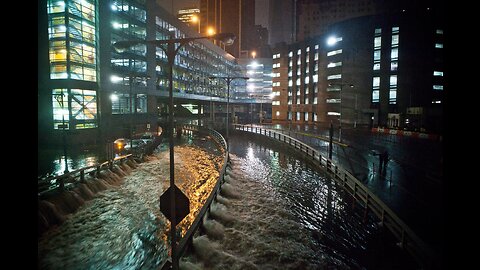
[[122, 227], [275, 212]]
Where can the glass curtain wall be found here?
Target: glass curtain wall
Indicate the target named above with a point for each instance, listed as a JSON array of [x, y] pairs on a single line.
[[72, 56]]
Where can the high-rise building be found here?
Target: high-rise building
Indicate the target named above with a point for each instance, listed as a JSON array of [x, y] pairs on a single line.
[[234, 16], [281, 21], [92, 93], [314, 16], [191, 17], [384, 70]]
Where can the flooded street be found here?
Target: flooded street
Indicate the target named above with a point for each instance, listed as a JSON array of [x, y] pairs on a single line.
[[122, 227], [274, 212]]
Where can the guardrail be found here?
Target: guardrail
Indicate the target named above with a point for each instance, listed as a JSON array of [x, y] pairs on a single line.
[[186, 242], [408, 240], [52, 183]]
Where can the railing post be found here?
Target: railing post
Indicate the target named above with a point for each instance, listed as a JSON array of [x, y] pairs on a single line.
[[366, 210], [82, 176], [61, 183]]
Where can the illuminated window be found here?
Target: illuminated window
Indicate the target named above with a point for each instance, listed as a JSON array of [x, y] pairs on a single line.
[[376, 66], [394, 54], [438, 73], [395, 29], [333, 113], [376, 55], [336, 64], [377, 42], [331, 53], [277, 113], [375, 96], [332, 100], [439, 31], [335, 76], [392, 98], [378, 31], [376, 82], [83, 108], [438, 45], [394, 65], [79, 16], [395, 40], [437, 87], [393, 80]]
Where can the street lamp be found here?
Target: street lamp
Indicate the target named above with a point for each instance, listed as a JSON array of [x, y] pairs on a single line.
[[132, 104], [340, 118], [196, 19], [228, 80], [171, 51]]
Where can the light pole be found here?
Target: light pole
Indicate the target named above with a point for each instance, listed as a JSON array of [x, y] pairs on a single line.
[[131, 79], [228, 80], [171, 51], [64, 137]]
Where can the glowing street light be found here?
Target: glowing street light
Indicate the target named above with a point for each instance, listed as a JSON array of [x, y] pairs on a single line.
[[171, 50], [196, 19]]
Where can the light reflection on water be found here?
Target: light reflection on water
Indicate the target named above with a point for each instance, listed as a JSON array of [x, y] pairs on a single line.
[[340, 228], [122, 228]]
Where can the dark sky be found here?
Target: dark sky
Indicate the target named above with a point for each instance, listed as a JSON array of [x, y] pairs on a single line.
[[261, 8]]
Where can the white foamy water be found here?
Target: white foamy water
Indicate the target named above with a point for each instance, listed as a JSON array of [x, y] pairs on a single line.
[[276, 212], [122, 227]]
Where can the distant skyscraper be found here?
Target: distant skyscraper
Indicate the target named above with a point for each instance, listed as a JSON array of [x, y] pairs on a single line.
[[314, 16], [234, 16], [281, 21], [190, 16]]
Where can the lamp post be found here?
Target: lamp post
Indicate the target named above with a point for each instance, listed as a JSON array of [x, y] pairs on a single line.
[[228, 80], [131, 79], [171, 51], [64, 137]]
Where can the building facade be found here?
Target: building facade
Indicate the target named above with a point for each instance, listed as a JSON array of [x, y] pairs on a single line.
[[382, 70], [234, 16], [92, 93]]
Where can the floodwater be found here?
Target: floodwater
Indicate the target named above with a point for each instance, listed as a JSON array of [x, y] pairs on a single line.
[[275, 212], [122, 227]]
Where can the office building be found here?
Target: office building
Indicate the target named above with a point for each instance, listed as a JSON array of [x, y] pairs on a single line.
[[382, 70]]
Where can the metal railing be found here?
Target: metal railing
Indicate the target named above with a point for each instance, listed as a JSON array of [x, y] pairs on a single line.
[[186, 242], [408, 240], [52, 183]]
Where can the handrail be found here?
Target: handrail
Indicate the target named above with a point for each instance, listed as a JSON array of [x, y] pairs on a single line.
[[52, 183], [419, 250], [187, 240]]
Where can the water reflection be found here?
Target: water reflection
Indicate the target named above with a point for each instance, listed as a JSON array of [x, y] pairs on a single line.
[[122, 227], [339, 227]]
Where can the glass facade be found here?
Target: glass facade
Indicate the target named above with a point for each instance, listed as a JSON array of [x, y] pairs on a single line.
[[72, 38]]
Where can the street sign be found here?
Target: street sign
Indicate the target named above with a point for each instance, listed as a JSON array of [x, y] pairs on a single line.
[[182, 204]]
